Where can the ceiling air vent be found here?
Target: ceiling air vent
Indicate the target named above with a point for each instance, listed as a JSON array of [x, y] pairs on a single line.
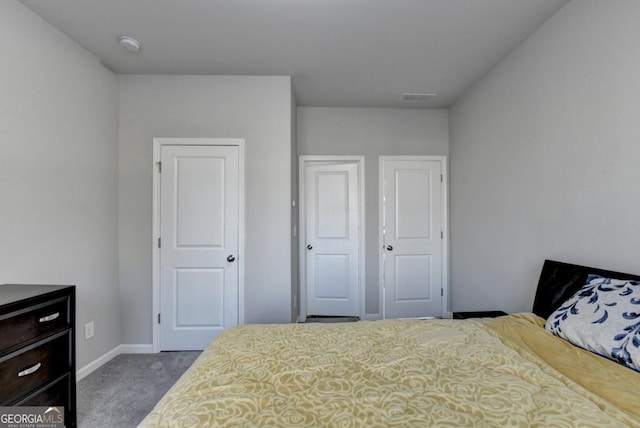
[[417, 98]]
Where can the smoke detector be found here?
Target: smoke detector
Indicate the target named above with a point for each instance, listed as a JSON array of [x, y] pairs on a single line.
[[129, 44], [417, 98]]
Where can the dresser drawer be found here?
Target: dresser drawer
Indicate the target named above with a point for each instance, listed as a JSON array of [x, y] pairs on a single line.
[[27, 324], [56, 393], [24, 371], [53, 394]]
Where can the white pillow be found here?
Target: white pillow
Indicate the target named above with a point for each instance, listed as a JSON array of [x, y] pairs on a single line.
[[602, 317]]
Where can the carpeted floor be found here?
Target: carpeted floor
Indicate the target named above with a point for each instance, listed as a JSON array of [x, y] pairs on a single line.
[[123, 391]]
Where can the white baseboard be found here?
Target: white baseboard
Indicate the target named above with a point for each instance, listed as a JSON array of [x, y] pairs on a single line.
[[136, 349], [94, 365]]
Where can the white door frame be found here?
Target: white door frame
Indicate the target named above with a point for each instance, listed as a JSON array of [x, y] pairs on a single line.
[[445, 228], [302, 270], [155, 278]]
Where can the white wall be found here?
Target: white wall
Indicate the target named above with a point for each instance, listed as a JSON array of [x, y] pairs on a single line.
[[545, 155], [372, 133], [58, 165], [257, 109]]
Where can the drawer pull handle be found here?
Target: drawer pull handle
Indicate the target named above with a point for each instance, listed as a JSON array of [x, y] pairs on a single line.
[[30, 370], [50, 317]]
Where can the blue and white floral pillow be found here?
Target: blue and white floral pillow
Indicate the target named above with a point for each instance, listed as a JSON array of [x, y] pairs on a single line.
[[602, 317]]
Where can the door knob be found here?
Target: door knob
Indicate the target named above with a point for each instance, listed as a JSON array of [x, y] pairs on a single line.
[[389, 248], [231, 258], [309, 247]]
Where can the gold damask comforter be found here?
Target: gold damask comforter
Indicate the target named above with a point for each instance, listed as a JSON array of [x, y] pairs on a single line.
[[500, 372]]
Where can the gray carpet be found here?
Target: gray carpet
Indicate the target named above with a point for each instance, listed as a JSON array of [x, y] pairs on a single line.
[[123, 391]]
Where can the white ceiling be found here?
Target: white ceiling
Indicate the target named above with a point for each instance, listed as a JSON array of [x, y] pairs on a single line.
[[340, 53]]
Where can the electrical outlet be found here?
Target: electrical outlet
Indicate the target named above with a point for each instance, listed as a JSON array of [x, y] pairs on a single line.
[[88, 330]]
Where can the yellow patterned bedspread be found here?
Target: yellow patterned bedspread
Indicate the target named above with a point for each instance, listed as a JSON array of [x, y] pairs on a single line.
[[393, 373]]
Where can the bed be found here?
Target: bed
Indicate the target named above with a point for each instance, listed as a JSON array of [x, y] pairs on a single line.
[[505, 371]]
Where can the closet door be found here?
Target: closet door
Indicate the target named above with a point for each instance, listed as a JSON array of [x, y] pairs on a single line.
[[411, 213], [199, 243], [331, 239]]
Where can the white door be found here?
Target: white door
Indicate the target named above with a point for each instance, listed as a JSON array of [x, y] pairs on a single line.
[[412, 227], [331, 208], [199, 224]]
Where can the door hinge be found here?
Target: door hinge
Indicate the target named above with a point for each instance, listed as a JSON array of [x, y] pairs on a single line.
[[158, 317], [159, 243], [441, 295], [441, 178], [159, 166], [442, 234]]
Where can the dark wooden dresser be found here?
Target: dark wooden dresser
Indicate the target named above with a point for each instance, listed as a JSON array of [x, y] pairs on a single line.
[[37, 347]]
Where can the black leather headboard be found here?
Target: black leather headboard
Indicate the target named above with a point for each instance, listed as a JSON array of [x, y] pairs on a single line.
[[559, 281]]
